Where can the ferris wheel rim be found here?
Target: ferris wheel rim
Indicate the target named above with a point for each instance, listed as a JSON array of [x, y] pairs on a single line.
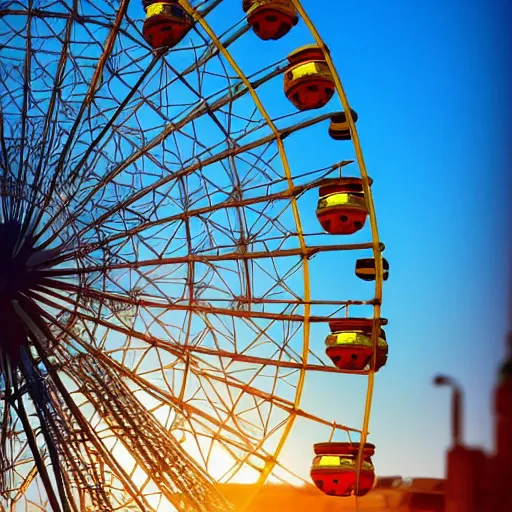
[[376, 247]]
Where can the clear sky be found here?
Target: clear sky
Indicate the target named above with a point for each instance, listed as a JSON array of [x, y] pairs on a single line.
[[429, 81]]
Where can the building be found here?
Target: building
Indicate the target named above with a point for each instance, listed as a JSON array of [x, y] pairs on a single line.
[[477, 482]]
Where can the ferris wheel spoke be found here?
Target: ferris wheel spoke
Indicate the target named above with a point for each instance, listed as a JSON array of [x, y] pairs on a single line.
[[49, 117], [202, 309], [77, 461], [242, 354], [200, 110], [208, 54], [307, 252], [14, 448], [139, 194], [171, 400], [181, 352], [4, 161], [41, 466], [97, 76], [283, 404], [22, 169], [160, 455], [124, 371], [178, 349], [86, 433], [126, 232], [99, 489], [53, 425], [47, 14]]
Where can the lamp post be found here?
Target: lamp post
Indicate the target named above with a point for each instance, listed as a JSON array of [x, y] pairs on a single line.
[[443, 380], [462, 463]]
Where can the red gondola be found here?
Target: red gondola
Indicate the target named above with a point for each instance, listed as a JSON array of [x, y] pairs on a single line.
[[350, 347], [166, 24], [334, 469], [270, 19], [341, 206], [308, 82]]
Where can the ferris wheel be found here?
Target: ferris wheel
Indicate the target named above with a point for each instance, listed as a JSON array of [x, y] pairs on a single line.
[[173, 232]]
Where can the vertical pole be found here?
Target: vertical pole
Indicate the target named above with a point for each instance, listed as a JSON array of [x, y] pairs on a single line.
[[457, 416]]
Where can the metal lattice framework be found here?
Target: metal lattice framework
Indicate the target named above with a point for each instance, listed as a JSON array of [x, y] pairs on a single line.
[[160, 307]]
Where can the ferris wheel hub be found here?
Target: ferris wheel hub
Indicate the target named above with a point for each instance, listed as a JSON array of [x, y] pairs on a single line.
[[15, 248]]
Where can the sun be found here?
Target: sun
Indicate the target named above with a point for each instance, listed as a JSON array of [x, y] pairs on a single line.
[[222, 465]]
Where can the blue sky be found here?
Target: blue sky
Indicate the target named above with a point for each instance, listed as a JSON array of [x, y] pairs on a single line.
[[429, 81]]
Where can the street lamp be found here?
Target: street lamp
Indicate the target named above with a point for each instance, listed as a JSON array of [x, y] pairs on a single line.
[[443, 380]]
